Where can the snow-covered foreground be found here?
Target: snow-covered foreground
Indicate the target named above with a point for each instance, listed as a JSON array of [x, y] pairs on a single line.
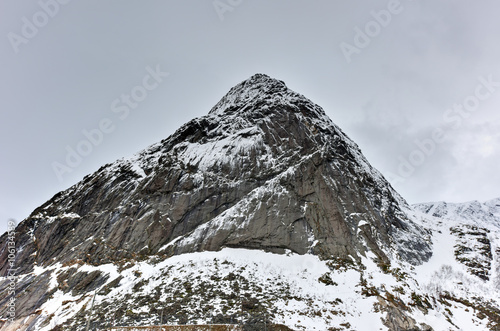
[[292, 282], [452, 291], [299, 291]]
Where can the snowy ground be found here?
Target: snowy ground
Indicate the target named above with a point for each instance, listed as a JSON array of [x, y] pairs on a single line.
[[299, 291]]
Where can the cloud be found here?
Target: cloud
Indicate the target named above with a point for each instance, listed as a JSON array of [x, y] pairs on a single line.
[[477, 153]]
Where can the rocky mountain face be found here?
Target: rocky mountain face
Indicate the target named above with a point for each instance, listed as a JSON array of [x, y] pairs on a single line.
[[252, 214], [475, 228], [264, 169]]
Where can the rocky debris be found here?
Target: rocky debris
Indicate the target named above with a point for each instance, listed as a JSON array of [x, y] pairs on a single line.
[[473, 249], [181, 328]]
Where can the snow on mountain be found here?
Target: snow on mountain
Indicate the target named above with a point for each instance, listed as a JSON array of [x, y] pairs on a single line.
[[487, 213], [262, 213], [466, 241]]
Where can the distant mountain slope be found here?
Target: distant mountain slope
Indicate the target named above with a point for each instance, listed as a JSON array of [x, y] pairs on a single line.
[[475, 211], [475, 227], [466, 263]]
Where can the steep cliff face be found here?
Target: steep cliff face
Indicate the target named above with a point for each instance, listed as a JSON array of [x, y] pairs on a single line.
[[266, 169]]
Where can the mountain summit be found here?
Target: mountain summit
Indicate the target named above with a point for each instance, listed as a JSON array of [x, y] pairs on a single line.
[[265, 172]]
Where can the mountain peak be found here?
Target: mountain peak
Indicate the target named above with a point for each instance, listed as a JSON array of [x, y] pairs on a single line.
[[254, 90], [261, 82], [261, 78], [261, 96]]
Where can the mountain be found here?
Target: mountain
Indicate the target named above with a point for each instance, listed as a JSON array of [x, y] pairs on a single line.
[[467, 235], [487, 213], [262, 213], [474, 227]]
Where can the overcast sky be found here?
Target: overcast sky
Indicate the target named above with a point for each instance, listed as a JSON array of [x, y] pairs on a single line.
[[415, 83]]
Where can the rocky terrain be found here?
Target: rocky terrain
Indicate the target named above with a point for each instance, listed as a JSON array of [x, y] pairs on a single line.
[[261, 214]]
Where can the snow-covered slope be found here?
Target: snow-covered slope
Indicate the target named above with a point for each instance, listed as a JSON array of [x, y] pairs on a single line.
[[301, 292], [465, 265], [486, 213], [473, 229]]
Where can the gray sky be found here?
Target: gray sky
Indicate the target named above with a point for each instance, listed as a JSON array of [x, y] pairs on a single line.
[[387, 72]]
